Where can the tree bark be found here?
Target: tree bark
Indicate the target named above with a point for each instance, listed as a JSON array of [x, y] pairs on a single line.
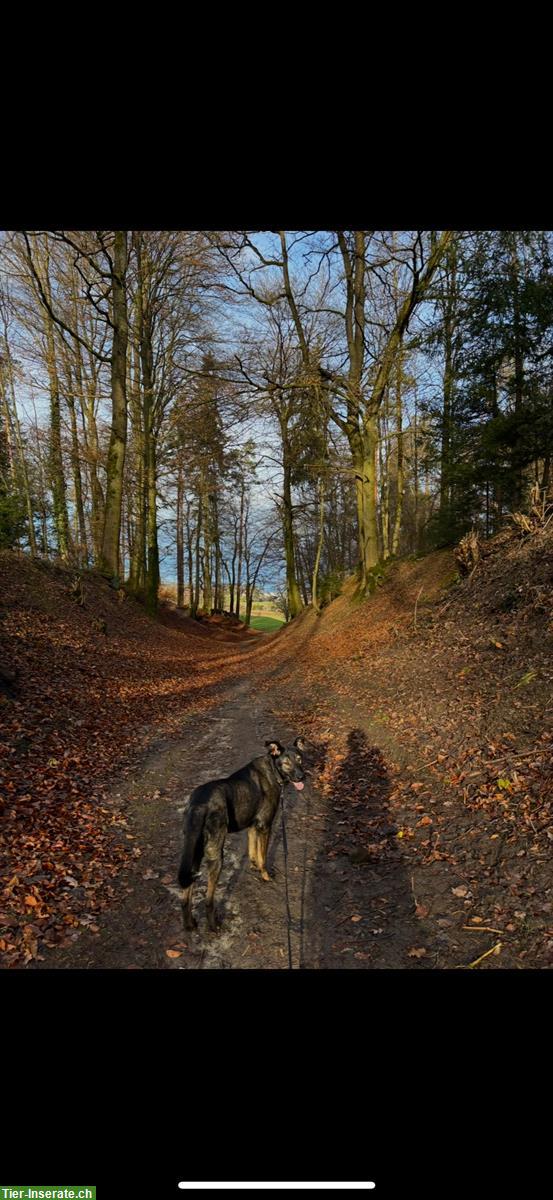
[[57, 478], [400, 486], [118, 439], [180, 540], [318, 553]]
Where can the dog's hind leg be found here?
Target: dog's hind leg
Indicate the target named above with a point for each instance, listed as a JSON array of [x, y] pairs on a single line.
[[214, 859], [189, 921], [213, 872]]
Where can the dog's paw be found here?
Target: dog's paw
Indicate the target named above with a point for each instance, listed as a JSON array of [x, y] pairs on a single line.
[[190, 923], [268, 878]]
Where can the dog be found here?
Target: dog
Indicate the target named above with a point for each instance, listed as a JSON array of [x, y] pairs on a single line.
[[248, 799]]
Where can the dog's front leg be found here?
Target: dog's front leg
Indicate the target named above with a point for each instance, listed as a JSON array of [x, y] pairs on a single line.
[[262, 844], [252, 846]]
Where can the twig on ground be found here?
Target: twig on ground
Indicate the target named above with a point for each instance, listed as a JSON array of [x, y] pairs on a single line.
[[481, 929], [493, 950]]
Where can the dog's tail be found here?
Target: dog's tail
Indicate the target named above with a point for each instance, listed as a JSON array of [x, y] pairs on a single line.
[[193, 844]]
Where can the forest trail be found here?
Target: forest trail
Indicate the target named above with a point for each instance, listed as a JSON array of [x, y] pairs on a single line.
[[143, 927], [340, 914], [421, 840]]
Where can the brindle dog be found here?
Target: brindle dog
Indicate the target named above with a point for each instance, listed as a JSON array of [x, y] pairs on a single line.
[[248, 799]]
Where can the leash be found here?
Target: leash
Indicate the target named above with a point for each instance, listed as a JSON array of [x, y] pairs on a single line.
[[288, 913]]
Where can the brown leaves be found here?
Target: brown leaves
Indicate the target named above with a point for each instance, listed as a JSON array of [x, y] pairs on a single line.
[[79, 714]]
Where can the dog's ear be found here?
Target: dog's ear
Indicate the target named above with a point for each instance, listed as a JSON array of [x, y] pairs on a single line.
[[300, 743], [275, 748]]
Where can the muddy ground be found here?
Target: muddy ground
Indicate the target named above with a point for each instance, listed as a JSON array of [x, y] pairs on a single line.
[[349, 910], [320, 894]]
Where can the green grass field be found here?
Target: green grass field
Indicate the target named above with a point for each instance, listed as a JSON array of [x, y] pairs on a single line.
[[267, 624]]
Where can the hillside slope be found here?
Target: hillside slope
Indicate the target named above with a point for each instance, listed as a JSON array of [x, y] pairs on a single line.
[[442, 691], [87, 680]]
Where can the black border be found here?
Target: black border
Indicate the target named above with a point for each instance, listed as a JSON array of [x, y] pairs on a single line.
[[128, 1079]]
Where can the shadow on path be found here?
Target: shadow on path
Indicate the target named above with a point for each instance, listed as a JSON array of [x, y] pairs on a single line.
[[359, 909]]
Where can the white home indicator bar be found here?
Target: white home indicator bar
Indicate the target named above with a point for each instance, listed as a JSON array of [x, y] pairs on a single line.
[[276, 1186]]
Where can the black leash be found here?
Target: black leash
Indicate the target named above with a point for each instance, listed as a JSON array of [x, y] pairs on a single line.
[[288, 913]]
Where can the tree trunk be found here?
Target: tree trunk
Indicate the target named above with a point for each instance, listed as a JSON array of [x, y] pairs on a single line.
[[195, 599], [190, 556], [239, 552], [208, 542], [180, 541], [316, 565], [302, 573], [85, 393], [57, 478], [364, 466], [218, 604], [97, 498], [449, 307], [82, 547], [294, 597], [384, 456], [145, 335], [118, 439], [400, 487], [152, 576], [137, 575]]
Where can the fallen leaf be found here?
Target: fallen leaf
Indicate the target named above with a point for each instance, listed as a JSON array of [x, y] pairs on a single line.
[[174, 953]]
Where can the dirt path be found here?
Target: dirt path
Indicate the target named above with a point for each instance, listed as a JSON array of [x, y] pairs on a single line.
[[341, 914], [400, 904], [145, 919]]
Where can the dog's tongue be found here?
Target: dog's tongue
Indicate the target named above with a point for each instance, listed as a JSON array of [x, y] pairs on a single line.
[[299, 786]]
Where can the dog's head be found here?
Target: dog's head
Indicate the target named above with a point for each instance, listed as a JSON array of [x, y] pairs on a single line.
[[288, 761]]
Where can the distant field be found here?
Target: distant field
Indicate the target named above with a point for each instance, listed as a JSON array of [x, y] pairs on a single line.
[[267, 624]]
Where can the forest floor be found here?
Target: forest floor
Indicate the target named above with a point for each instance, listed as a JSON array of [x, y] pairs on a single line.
[[422, 839]]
